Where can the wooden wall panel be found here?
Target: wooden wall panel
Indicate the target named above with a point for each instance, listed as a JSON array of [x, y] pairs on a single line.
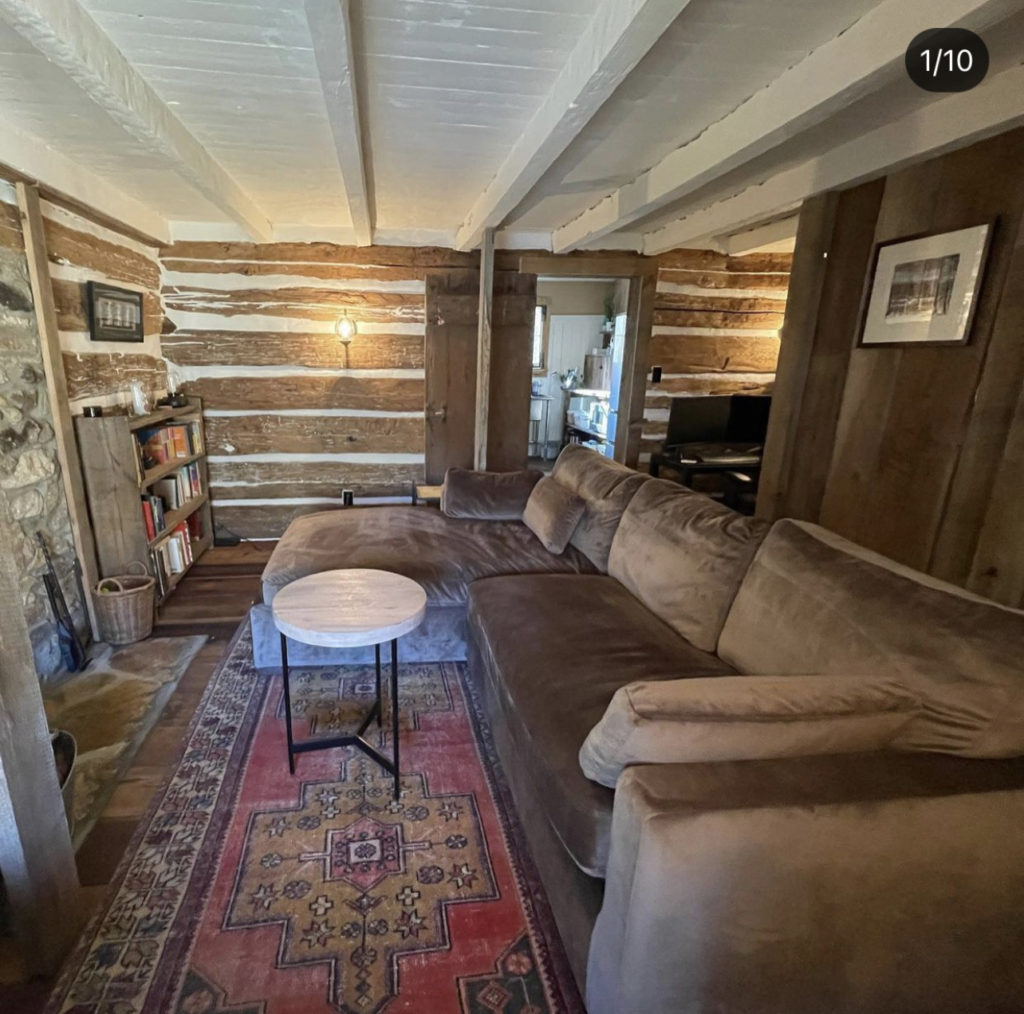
[[821, 323], [312, 434], [905, 410], [923, 444], [288, 480], [266, 393], [715, 330], [275, 348]]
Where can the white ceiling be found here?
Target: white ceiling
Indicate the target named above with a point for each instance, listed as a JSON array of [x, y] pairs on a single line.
[[445, 88]]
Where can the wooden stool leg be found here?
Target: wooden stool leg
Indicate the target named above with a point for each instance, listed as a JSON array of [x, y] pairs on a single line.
[[287, 702], [394, 710]]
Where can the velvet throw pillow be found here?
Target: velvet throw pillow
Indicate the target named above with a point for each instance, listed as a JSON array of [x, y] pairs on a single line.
[[552, 514], [487, 496]]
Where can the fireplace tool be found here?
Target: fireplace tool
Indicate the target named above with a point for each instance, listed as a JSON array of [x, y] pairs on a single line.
[[71, 650]]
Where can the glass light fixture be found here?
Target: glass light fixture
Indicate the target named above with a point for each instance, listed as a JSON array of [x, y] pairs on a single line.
[[346, 328]]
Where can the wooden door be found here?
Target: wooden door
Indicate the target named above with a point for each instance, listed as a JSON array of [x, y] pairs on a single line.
[[508, 428], [450, 359], [451, 350]]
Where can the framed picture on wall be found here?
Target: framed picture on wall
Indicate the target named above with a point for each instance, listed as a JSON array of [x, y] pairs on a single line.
[[923, 291], [115, 315]]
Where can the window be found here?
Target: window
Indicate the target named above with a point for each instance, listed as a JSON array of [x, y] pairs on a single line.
[[540, 321]]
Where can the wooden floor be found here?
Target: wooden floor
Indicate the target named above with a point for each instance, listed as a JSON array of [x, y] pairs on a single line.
[[212, 599]]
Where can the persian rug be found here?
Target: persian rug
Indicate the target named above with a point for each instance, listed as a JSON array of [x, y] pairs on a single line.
[[249, 891], [109, 708]]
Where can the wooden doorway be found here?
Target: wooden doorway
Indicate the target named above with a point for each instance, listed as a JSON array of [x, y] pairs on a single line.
[[452, 307], [641, 274]]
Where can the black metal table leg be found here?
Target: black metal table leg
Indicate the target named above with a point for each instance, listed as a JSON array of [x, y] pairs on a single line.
[[287, 702], [394, 710], [389, 764], [376, 648]]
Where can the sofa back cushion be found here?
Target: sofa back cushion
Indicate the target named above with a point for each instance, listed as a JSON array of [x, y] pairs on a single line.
[[813, 602], [684, 556], [552, 514], [606, 488], [487, 496]]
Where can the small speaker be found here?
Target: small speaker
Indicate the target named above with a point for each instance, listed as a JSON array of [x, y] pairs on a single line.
[[655, 374], [347, 497]]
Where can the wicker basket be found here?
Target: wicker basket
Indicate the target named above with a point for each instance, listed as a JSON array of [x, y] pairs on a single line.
[[125, 605]]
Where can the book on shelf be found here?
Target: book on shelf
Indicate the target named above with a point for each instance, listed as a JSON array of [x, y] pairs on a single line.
[[147, 517], [174, 554], [157, 445], [153, 514]]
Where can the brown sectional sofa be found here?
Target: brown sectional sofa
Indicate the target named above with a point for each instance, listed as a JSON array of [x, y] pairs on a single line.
[[891, 880]]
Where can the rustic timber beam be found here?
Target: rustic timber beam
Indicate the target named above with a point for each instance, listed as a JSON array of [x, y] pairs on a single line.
[[485, 320], [67, 35], [943, 125], [858, 61], [57, 391], [35, 847], [619, 34], [331, 29]]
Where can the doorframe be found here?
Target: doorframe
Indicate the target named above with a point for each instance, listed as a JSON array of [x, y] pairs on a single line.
[[642, 273]]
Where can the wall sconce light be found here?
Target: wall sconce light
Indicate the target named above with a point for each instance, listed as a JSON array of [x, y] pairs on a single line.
[[346, 328]]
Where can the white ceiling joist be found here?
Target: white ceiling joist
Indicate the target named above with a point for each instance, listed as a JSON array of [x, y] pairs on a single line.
[[331, 29], [844, 69], [619, 34], [69, 38], [776, 234], [942, 125], [67, 180]]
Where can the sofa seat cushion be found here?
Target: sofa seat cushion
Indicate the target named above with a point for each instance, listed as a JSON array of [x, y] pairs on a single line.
[[443, 554], [557, 648]]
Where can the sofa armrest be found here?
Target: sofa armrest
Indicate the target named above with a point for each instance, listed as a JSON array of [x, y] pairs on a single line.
[[854, 883]]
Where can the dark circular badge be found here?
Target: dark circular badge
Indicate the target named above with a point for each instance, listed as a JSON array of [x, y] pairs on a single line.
[[947, 60]]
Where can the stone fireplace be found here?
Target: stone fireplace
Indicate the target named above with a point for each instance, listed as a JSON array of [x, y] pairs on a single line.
[[29, 472]]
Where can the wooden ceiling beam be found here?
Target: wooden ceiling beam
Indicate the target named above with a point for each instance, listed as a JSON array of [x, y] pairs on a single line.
[[66, 34], [860, 60], [941, 126], [331, 29], [618, 36]]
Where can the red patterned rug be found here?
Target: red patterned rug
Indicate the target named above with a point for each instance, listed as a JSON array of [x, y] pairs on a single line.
[[253, 892]]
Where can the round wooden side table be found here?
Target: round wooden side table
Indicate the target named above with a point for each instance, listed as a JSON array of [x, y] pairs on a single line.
[[349, 609]]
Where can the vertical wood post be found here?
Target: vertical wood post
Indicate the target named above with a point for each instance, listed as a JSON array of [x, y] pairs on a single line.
[[635, 367], [57, 390], [36, 856], [483, 350]]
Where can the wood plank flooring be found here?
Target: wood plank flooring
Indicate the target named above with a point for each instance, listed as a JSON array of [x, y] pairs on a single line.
[[212, 599]]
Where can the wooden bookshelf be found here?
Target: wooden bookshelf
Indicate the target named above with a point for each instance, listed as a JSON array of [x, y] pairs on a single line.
[[115, 483]]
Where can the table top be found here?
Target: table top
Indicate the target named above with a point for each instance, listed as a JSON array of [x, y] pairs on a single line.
[[349, 608]]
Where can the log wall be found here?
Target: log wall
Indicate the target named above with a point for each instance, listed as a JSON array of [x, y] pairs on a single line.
[[293, 417], [99, 373], [716, 329]]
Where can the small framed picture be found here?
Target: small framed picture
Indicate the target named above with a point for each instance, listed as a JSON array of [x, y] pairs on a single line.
[[115, 315], [924, 291]]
